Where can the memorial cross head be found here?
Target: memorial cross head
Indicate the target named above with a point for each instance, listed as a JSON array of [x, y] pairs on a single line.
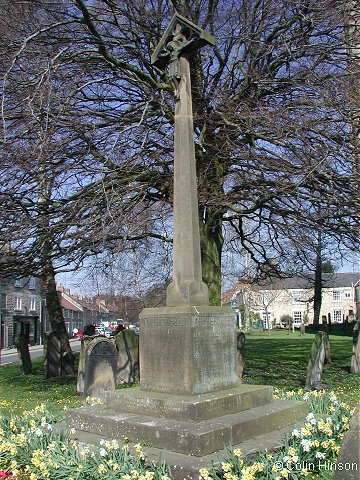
[[181, 37]]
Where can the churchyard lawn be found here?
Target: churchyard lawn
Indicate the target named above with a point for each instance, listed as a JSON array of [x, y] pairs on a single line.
[[30, 449], [279, 359]]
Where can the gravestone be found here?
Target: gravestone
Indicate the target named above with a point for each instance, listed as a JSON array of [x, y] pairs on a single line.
[[81, 368], [127, 345], [355, 359], [53, 355], [100, 366], [302, 329], [24, 353], [320, 350], [348, 462], [240, 343]]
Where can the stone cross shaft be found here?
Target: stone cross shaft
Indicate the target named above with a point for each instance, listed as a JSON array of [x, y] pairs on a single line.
[[181, 39]]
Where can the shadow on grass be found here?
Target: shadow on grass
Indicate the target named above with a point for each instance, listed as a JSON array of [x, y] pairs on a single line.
[[281, 360]]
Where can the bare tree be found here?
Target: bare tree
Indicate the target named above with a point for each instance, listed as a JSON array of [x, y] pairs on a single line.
[[273, 148]]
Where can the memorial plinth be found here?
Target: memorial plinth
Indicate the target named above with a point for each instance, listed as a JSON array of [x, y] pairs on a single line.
[[187, 349]]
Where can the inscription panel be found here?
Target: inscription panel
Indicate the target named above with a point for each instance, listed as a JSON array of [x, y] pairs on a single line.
[[188, 354]]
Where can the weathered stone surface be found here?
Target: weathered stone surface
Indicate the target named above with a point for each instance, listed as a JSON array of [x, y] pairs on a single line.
[[196, 439], [24, 354], [127, 345], [355, 359], [100, 366], [240, 343], [348, 463], [187, 407], [186, 467], [187, 287], [320, 350], [188, 350], [81, 368], [53, 355]]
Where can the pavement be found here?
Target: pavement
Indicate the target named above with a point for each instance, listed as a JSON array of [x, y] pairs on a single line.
[[12, 351]]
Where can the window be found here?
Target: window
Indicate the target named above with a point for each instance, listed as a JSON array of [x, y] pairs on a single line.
[[3, 300], [337, 316], [33, 304], [298, 317], [297, 296], [17, 303], [265, 318], [17, 282], [32, 283], [347, 294], [336, 295], [266, 297]]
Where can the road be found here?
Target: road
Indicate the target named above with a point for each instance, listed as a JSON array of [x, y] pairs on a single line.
[[10, 355]]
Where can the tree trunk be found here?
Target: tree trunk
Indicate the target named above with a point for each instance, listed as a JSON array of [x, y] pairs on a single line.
[[211, 240], [56, 316]]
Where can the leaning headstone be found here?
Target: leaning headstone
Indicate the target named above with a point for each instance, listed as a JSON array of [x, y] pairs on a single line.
[[24, 353], [355, 359], [348, 463], [127, 345], [100, 366], [53, 355], [240, 342], [81, 368], [319, 350]]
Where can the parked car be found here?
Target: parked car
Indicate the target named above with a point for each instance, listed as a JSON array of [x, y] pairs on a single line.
[[135, 329], [108, 332], [99, 329]]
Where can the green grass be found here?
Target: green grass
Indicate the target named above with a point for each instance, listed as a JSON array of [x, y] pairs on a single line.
[[279, 359], [23, 392]]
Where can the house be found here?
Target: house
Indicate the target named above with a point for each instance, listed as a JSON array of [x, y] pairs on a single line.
[[80, 310], [272, 301], [21, 310]]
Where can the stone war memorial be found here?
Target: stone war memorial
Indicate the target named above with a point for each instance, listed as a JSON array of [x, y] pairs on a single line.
[[190, 403]]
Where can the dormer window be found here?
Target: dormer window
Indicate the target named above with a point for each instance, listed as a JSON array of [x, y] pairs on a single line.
[[17, 282], [32, 283]]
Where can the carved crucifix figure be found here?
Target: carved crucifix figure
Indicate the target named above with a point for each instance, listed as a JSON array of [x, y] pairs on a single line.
[[172, 51], [180, 41]]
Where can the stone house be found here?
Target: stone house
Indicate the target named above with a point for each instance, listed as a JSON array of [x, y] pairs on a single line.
[[22, 310], [272, 300]]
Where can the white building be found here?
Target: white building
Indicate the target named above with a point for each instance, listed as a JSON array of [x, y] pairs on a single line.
[[293, 297]]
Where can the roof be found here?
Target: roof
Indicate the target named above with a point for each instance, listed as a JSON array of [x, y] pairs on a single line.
[[68, 304], [330, 280]]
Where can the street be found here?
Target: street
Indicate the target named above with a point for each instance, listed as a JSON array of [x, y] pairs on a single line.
[[10, 355]]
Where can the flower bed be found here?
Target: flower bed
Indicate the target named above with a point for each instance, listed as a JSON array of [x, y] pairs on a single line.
[[310, 451], [30, 449]]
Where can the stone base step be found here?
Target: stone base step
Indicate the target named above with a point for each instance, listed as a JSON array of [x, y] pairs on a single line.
[[186, 467], [189, 408], [197, 439]]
